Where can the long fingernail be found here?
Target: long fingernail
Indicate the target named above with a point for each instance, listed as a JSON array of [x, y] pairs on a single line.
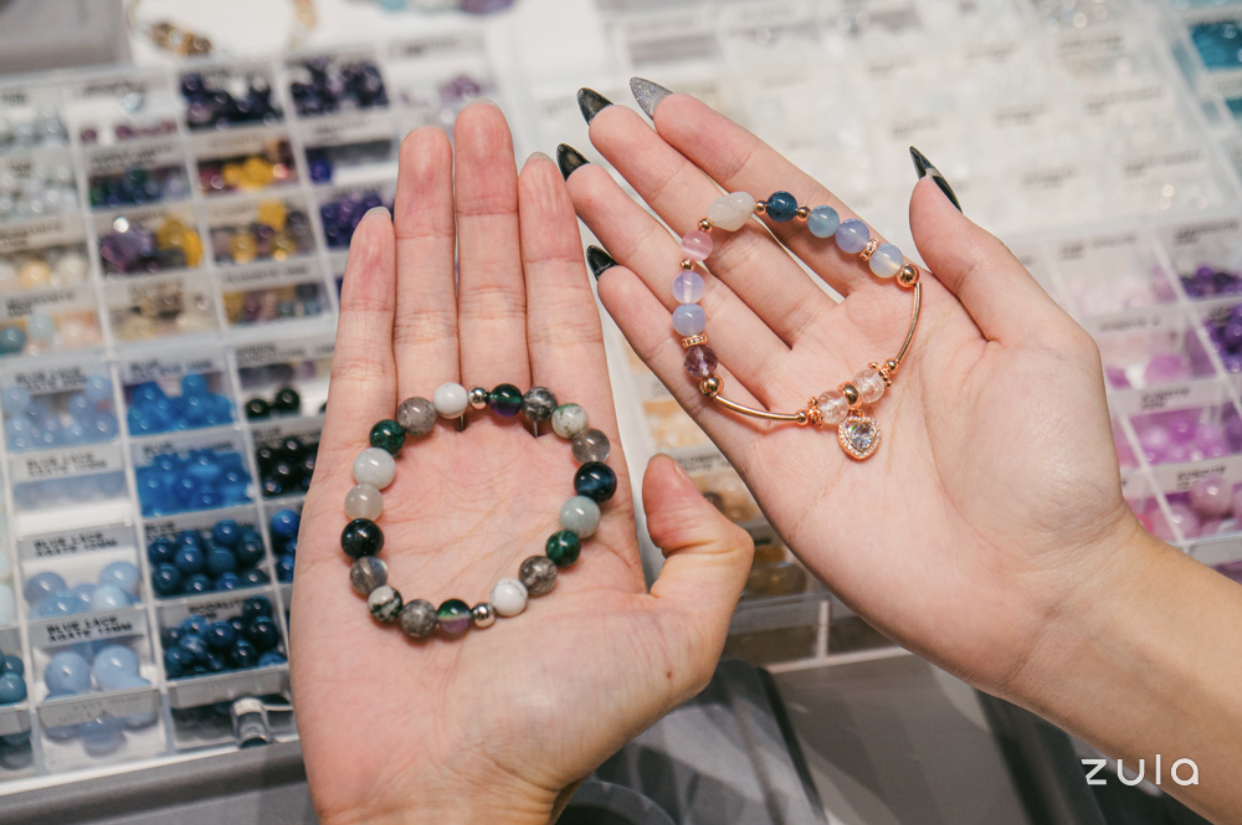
[[569, 159], [648, 94], [591, 102], [599, 261], [925, 168]]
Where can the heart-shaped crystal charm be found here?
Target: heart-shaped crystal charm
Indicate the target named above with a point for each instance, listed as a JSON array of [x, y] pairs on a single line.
[[859, 436]]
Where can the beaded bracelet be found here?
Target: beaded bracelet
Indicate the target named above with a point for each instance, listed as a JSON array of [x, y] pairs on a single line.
[[375, 468], [857, 433]]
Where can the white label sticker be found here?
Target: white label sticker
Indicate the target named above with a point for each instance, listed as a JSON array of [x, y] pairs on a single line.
[[14, 720], [284, 352], [75, 542], [189, 693], [58, 713], [65, 229], [51, 632], [73, 461], [154, 369]]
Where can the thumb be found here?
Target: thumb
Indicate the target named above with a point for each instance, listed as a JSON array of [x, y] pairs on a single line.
[[707, 558], [1003, 298]]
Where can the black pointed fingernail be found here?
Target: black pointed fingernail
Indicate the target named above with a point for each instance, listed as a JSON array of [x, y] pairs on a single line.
[[648, 94], [591, 102], [599, 261], [569, 159], [925, 168]]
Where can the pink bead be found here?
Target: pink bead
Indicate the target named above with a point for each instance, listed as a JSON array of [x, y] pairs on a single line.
[[701, 361], [1182, 426], [1163, 369], [696, 245], [1212, 497], [1184, 519], [1210, 438], [1155, 442]]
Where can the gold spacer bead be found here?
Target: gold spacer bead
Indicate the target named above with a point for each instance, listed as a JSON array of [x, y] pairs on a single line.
[[908, 276], [710, 386], [882, 369], [802, 212], [705, 225], [694, 340], [872, 246], [687, 264], [761, 207], [851, 394]]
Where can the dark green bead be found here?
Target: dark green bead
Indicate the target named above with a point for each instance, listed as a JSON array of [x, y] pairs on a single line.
[[361, 537], [596, 481], [388, 435], [258, 408], [287, 401], [564, 547], [505, 400], [453, 616]]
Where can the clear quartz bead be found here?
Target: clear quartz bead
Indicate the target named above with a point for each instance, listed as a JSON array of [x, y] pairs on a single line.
[[834, 405], [730, 212], [590, 445], [375, 467], [870, 385]]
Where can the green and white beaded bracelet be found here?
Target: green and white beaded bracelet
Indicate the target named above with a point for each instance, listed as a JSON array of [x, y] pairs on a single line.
[[375, 467]]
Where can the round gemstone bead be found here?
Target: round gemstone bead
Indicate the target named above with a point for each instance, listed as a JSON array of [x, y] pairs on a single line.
[[375, 467], [509, 597], [688, 286], [563, 548], [287, 401], [451, 400], [366, 574], [590, 445], [361, 537], [823, 221], [388, 435], [568, 420], [834, 405], [505, 400], [418, 618], [1212, 497], [730, 212], [417, 416], [596, 481], [782, 207], [453, 616], [364, 501], [696, 245], [384, 604], [701, 361], [689, 319], [853, 236], [538, 575], [870, 385], [538, 404], [581, 515], [887, 261]]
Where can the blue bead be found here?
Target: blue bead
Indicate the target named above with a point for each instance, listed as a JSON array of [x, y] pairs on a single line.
[[284, 568], [823, 221], [190, 560], [256, 607], [253, 577], [42, 584], [83, 593], [228, 581], [285, 523], [166, 580], [853, 236], [13, 664], [243, 654], [101, 737], [15, 400], [262, 633], [12, 340], [170, 636], [271, 658], [199, 583], [115, 667], [249, 552], [239, 626], [195, 624], [176, 662], [121, 574], [194, 648], [111, 597], [596, 481], [215, 662], [194, 384], [226, 533], [12, 689], [782, 207], [220, 561], [161, 551], [67, 673], [98, 388], [220, 636]]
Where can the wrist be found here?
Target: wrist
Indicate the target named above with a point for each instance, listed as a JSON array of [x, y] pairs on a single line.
[[481, 800], [465, 811]]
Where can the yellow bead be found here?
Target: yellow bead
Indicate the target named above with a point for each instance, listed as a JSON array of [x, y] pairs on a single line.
[[273, 214], [192, 245], [242, 247], [34, 273], [232, 175], [171, 234], [283, 246], [256, 173]]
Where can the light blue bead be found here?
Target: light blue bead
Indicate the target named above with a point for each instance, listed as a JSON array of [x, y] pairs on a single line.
[[823, 221], [689, 319], [18, 428], [853, 235], [15, 400], [114, 666], [101, 737], [42, 584], [62, 603], [79, 407], [38, 412], [41, 327], [83, 593], [110, 597], [194, 385], [97, 388], [688, 287], [67, 674], [122, 574]]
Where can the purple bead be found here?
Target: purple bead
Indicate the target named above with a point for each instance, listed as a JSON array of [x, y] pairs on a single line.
[[1116, 377], [1182, 425], [701, 361], [1155, 443], [853, 236], [1212, 497], [1164, 369], [1210, 440], [689, 319]]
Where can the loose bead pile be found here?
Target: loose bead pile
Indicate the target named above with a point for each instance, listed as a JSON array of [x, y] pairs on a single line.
[[342, 214], [272, 166], [375, 467], [858, 434], [203, 480], [152, 410], [39, 423], [12, 679], [117, 586], [287, 467], [286, 401], [276, 233], [226, 557], [37, 189], [198, 646], [322, 85], [138, 186], [130, 249], [213, 106]]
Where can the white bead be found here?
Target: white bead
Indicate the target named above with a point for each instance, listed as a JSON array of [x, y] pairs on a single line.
[[870, 385], [509, 597], [71, 269], [887, 261], [375, 467], [8, 609], [450, 400], [731, 212], [364, 501], [580, 516], [568, 420]]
